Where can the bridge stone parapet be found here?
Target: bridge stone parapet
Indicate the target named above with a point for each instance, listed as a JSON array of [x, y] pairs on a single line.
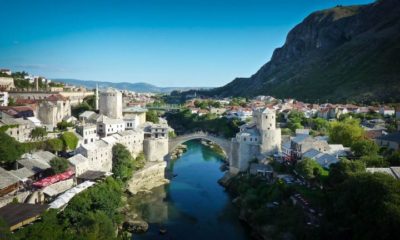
[[224, 143]]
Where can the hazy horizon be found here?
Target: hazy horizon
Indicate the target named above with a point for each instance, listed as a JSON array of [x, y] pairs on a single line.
[[166, 44]]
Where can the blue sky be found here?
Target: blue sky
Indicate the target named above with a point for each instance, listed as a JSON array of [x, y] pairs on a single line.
[[165, 43]]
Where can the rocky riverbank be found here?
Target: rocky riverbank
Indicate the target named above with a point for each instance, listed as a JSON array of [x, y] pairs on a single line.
[[151, 176], [177, 153]]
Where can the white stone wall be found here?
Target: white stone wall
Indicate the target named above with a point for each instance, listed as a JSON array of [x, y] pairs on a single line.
[[271, 141], [110, 103], [100, 158], [152, 175], [155, 149]]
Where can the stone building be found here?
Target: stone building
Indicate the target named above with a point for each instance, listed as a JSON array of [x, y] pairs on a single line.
[[54, 109], [111, 103], [99, 155], [256, 140], [20, 128], [155, 144], [88, 132], [6, 83], [107, 126], [3, 99], [134, 116]]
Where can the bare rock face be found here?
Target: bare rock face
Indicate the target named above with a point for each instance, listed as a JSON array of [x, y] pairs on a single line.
[[135, 226], [335, 54]]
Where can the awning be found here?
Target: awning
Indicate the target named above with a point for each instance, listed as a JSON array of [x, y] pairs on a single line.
[[53, 179]]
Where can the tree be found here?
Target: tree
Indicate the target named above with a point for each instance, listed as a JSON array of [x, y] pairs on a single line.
[[122, 164], [342, 170], [309, 168], [364, 147], [63, 125], [320, 124], [55, 145], [366, 206], [346, 132], [38, 133], [374, 160], [139, 162], [70, 140], [394, 159], [10, 149], [152, 116], [59, 165]]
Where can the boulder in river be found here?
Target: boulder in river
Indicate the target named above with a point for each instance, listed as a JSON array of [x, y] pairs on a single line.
[[136, 226]]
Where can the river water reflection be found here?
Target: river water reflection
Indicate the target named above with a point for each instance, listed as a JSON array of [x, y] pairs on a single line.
[[193, 205]]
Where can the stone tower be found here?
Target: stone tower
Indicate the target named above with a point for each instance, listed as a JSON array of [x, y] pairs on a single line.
[[97, 97], [111, 103], [265, 120]]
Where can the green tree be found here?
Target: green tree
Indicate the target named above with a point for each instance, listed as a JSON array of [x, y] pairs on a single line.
[[309, 169], [10, 149], [374, 160], [38, 133], [364, 147], [366, 206], [59, 165], [342, 170], [63, 125], [70, 140], [346, 132], [55, 145], [139, 162], [151, 116], [394, 159], [123, 163]]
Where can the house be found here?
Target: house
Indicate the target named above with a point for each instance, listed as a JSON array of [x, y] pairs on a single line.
[[88, 116], [262, 170], [18, 111], [19, 128], [391, 141], [386, 111], [107, 126], [3, 99], [217, 111], [79, 163], [135, 112], [323, 159], [88, 132], [37, 163], [6, 83], [17, 215], [5, 71], [99, 155], [302, 143], [8, 182]]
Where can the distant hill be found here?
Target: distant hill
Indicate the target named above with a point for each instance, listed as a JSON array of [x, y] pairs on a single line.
[[338, 54], [137, 87]]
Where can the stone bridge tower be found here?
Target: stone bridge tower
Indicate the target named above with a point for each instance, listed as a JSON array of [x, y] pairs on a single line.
[[270, 135]]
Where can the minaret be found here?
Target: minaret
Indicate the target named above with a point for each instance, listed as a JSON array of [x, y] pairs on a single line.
[[97, 96]]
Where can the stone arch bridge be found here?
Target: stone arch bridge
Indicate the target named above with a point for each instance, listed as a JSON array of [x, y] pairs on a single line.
[[224, 143]]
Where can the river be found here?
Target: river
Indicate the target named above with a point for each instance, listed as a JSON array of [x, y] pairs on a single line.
[[193, 205]]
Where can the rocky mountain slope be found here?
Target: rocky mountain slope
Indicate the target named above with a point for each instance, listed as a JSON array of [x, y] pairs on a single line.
[[338, 54]]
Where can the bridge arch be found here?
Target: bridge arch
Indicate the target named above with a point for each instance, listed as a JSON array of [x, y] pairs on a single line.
[[224, 143]]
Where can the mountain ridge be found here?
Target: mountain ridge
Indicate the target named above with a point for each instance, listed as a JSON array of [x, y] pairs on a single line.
[[137, 86], [337, 54]]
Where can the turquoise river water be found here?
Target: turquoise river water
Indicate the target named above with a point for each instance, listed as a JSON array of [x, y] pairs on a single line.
[[193, 206]]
